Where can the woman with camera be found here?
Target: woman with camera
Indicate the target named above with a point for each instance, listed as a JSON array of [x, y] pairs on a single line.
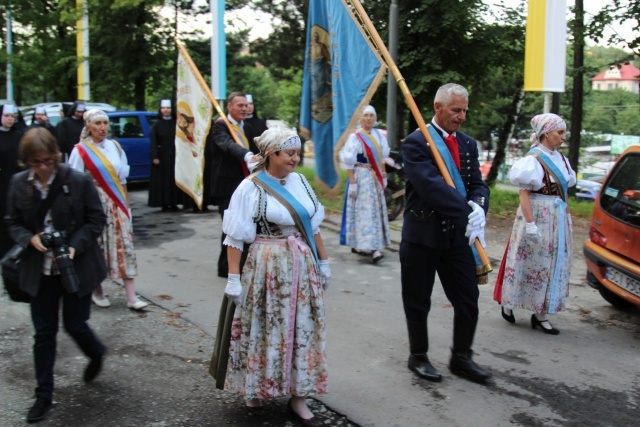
[[55, 213], [105, 160], [278, 333]]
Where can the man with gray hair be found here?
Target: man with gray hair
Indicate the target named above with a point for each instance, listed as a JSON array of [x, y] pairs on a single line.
[[440, 224]]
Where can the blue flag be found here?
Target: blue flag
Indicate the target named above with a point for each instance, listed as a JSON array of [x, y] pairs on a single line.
[[342, 71]]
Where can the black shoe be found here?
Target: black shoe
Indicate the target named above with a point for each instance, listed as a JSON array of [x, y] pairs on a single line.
[[376, 256], [310, 422], [535, 322], [462, 365], [93, 369], [419, 363], [38, 410], [510, 318]]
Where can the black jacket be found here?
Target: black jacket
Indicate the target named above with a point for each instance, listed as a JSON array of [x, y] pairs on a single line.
[[227, 159], [77, 211], [436, 214]]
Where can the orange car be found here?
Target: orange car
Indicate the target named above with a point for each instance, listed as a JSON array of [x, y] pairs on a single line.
[[612, 252]]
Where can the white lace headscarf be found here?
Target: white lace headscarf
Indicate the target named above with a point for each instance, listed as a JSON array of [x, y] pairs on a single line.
[[543, 124], [275, 139], [88, 117]]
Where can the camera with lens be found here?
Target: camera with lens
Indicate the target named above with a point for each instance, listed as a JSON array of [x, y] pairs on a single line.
[[57, 241]]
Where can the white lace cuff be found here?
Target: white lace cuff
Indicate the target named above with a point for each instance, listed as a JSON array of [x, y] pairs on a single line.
[[230, 241]]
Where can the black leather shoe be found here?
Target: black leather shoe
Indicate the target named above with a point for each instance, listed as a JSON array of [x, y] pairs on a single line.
[[419, 363], [535, 322], [462, 365], [38, 410], [510, 318], [309, 422], [93, 369]]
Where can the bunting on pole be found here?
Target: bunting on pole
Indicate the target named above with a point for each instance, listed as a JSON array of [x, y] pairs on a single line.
[[342, 72], [545, 46], [194, 112]]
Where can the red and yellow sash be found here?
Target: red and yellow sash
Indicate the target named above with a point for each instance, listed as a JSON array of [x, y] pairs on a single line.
[[102, 170], [373, 152]]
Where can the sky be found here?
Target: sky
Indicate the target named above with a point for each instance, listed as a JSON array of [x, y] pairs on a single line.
[[260, 23]]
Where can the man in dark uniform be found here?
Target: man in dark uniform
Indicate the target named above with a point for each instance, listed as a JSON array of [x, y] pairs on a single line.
[[440, 224], [40, 119], [230, 160], [70, 127]]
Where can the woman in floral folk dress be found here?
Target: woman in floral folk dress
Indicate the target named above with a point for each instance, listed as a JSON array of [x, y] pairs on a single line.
[[535, 271], [365, 222], [278, 332], [106, 162]]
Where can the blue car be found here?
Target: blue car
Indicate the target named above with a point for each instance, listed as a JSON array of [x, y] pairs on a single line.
[[587, 190], [132, 129]]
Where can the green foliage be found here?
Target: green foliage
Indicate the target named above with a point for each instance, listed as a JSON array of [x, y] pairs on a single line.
[[613, 112], [289, 92], [333, 201]]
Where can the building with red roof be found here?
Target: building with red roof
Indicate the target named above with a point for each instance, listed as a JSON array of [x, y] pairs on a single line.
[[626, 77]]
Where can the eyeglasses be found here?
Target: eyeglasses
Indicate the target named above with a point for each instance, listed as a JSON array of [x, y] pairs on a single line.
[[46, 162]]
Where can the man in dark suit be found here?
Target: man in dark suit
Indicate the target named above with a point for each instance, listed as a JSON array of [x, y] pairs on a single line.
[[440, 225], [230, 160]]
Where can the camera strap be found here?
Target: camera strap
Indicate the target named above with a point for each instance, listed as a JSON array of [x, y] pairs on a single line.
[[58, 182]]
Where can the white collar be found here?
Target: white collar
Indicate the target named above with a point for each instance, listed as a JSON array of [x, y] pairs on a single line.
[[233, 121], [444, 132]]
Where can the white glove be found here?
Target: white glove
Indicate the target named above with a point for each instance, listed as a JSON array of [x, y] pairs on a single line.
[[475, 232], [384, 182], [353, 190], [325, 273], [476, 218], [532, 232], [234, 289], [250, 160]]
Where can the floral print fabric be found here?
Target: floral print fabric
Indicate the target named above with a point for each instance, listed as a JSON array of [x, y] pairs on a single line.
[[367, 221], [116, 240], [529, 276], [278, 339]]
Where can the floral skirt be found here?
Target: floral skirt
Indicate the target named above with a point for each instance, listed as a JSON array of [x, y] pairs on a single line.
[[116, 241], [366, 222], [536, 275], [278, 338]]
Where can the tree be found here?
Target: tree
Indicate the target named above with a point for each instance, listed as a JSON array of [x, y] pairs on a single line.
[[617, 11]]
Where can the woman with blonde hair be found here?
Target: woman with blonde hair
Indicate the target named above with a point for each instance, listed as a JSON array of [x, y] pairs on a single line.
[[105, 160]]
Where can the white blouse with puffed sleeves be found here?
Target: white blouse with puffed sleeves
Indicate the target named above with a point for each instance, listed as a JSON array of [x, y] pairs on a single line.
[[527, 173]]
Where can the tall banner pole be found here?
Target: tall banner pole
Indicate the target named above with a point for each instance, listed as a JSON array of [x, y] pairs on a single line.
[[82, 51], [218, 50], [9, 54], [442, 168]]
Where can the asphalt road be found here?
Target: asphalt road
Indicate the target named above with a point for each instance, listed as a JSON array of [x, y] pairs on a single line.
[[586, 376]]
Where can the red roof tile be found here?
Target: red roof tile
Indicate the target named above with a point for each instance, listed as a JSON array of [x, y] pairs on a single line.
[[626, 72]]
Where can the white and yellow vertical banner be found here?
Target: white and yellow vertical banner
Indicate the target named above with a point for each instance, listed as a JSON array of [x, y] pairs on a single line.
[[545, 46], [194, 111], [82, 51]]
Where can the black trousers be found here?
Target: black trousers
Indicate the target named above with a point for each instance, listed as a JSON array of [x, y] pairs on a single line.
[[456, 269], [45, 317], [223, 262]]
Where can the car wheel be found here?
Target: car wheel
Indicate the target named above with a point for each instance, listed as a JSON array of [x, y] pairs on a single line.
[[614, 299]]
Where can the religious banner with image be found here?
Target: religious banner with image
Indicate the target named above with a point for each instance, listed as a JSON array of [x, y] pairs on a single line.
[[342, 72], [194, 111]]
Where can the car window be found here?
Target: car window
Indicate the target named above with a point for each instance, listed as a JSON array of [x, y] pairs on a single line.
[[152, 120], [621, 194], [125, 127]]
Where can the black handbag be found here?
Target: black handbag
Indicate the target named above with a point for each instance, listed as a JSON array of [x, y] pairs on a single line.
[[11, 273]]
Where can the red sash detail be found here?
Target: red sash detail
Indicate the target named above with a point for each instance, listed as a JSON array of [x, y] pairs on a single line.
[[372, 159]]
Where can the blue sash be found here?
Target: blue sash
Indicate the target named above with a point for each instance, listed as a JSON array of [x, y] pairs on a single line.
[[551, 167], [454, 172], [298, 212]]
